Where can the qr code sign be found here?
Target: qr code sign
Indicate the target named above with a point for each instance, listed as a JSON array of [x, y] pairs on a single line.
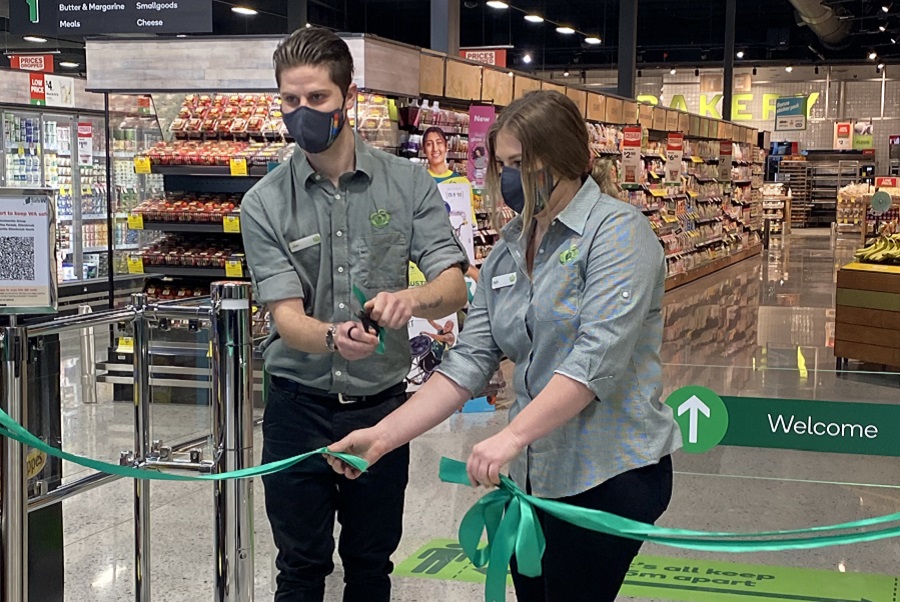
[[16, 258]]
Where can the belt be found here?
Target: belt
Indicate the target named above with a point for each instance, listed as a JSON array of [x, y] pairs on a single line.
[[341, 398]]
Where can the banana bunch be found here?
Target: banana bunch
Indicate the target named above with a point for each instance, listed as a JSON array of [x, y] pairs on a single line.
[[885, 249]]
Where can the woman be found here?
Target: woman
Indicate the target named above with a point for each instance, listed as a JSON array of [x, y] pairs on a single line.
[[435, 142], [572, 295]]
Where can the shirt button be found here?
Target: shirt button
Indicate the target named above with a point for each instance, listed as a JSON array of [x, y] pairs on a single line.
[[337, 197], [318, 177], [341, 305], [541, 251], [338, 233], [626, 294], [340, 270], [338, 373]]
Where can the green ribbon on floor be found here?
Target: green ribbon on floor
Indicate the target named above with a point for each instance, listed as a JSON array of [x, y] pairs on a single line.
[[508, 516], [12, 429]]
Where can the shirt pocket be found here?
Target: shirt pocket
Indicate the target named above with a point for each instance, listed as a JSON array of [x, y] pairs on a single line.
[[560, 295], [383, 261]]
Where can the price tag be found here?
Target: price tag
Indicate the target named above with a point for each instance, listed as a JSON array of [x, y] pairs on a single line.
[[695, 159], [135, 221], [142, 165], [658, 192], [135, 264], [21, 150], [126, 345], [239, 166], [234, 268], [209, 350], [232, 223]]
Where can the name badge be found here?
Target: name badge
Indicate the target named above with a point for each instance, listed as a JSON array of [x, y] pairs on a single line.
[[305, 243], [503, 281]]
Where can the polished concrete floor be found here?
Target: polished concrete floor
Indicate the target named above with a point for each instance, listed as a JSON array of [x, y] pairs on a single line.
[[763, 328]]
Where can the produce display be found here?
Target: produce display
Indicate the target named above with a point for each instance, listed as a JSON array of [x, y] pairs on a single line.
[[885, 249], [214, 152], [229, 116], [191, 251], [190, 207]]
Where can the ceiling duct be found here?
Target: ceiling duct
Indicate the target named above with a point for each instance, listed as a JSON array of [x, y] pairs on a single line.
[[823, 21]]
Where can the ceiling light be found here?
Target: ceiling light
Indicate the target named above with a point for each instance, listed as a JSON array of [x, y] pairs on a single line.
[[882, 28], [886, 8], [69, 64], [566, 73], [565, 29], [526, 58], [181, 35], [873, 55], [672, 72], [243, 10], [788, 68], [740, 54], [309, 24], [592, 40], [534, 18], [880, 66], [34, 39], [497, 4]]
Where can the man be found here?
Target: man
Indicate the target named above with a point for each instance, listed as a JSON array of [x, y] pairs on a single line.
[[337, 220]]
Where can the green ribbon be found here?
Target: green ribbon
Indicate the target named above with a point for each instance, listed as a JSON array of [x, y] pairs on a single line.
[[508, 516], [12, 429], [361, 297]]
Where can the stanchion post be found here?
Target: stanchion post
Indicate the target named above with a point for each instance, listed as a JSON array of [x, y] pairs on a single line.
[[142, 443], [88, 361], [14, 371], [232, 401]]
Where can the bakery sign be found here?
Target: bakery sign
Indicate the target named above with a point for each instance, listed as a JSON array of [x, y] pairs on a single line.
[[32, 62], [488, 56]]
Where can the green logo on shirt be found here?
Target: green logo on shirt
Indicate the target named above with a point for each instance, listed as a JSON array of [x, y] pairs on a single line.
[[380, 218], [569, 255]]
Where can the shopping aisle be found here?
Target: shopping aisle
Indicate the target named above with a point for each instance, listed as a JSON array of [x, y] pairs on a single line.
[[761, 328]]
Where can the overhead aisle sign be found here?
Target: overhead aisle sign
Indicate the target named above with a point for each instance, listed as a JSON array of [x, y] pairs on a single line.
[[790, 114], [30, 17]]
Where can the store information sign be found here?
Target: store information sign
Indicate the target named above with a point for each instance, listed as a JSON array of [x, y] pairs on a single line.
[[85, 144], [887, 182], [488, 56], [32, 62], [726, 153], [59, 91], [843, 135], [674, 156], [31, 17], [631, 155], [27, 269], [36, 92], [863, 135], [790, 114], [481, 118]]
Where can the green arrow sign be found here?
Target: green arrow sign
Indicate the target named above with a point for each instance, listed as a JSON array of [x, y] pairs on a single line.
[[702, 416]]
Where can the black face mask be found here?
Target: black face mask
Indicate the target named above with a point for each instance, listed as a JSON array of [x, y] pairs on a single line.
[[314, 131], [514, 194]]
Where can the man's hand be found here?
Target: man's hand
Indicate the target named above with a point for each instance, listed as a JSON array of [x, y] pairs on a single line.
[[364, 443], [489, 456], [391, 310], [353, 343]]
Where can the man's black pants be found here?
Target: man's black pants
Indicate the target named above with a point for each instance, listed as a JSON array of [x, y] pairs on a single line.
[[301, 502]]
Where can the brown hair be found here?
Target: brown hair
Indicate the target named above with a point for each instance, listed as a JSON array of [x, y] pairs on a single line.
[[316, 46], [553, 134]]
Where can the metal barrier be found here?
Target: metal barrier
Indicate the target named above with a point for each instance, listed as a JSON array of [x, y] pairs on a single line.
[[232, 406]]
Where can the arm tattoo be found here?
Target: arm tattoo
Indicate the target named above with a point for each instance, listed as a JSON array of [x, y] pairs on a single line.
[[424, 305]]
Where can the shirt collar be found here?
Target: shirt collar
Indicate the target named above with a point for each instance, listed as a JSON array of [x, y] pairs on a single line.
[[574, 216], [365, 162]]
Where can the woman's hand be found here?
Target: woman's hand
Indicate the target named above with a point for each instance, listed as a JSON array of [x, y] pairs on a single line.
[[365, 443], [489, 456]]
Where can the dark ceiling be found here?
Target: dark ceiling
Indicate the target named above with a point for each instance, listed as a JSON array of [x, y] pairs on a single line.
[[677, 32]]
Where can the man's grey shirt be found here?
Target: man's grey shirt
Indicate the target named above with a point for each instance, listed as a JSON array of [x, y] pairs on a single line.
[[592, 312], [306, 239]]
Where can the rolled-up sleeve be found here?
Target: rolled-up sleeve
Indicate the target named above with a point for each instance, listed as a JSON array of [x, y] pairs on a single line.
[[625, 264], [435, 246], [476, 356], [275, 278]]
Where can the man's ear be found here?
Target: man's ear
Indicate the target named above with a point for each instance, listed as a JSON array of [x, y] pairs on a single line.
[[350, 101]]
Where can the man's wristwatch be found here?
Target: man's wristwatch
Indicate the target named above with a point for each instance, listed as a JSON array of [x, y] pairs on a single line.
[[329, 338]]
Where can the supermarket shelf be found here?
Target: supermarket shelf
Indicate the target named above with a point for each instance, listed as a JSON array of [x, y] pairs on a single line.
[[84, 218], [677, 280], [174, 270], [102, 249], [742, 182], [212, 228], [223, 171], [127, 247]]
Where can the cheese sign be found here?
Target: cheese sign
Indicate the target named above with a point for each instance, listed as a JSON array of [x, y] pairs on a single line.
[[631, 155]]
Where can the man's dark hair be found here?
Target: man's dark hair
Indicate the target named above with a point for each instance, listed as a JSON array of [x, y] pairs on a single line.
[[316, 46]]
